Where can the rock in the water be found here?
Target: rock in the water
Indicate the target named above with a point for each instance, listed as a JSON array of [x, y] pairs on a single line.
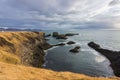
[[60, 44], [75, 50], [55, 34], [93, 45], [70, 34], [47, 39], [48, 35], [77, 47], [70, 42], [61, 36], [113, 56]]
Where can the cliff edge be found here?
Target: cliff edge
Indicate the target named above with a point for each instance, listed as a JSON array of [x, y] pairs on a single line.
[[25, 48], [21, 52]]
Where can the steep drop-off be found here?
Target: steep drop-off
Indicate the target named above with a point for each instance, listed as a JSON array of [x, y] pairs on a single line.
[[21, 51], [25, 48]]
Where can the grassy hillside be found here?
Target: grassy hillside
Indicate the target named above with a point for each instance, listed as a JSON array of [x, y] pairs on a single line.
[[20, 50], [17, 72]]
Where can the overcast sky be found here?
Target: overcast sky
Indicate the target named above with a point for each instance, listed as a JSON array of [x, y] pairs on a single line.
[[60, 14]]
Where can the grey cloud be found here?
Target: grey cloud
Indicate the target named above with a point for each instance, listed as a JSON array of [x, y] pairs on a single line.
[[114, 2], [58, 14]]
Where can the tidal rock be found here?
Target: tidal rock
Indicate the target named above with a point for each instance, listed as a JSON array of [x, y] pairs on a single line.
[[70, 34], [47, 39], [61, 36], [60, 44], [70, 42], [113, 56], [48, 35], [75, 50], [55, 34], [46, 46]]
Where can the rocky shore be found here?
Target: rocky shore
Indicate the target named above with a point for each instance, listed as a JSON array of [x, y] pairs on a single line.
[[113, 56], [20, 52]]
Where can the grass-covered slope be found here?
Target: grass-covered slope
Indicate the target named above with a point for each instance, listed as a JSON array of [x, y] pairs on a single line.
[[20, 52], [17, 72], [22, 48]]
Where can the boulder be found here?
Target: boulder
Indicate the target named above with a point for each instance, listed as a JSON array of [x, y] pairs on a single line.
[[61, 36], [55, 34], [70, 42], [60, 44], [75, 50], [77, 47]]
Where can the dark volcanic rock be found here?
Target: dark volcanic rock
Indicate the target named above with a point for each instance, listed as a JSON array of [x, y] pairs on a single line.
[[70, 34], [55, 34], [61, 36], [48, 35], [113, 56], [47, 39], [60, 44], [70, 42], [75, 50], [46, 46]]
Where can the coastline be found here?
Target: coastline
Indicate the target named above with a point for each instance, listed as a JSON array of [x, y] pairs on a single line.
[[113, 56], [32, 45]]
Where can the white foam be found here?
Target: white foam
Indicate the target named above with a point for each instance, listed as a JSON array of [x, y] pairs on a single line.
[[86, 50], [99, 59]]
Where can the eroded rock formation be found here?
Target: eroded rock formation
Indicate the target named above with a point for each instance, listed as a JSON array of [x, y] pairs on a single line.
[[113, 56]]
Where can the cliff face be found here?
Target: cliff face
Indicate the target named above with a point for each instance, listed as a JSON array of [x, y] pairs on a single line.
[[26, 47]]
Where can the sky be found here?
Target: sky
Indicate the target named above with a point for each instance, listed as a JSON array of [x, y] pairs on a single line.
[[60, 14]]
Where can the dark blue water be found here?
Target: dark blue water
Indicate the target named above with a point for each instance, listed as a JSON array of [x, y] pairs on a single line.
[[87, 61]]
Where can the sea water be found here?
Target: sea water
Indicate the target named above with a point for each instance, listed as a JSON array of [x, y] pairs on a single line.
[[87, 61]]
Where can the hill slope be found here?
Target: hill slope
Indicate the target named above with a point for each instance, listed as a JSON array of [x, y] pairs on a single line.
[[19, 50], [17, 72]]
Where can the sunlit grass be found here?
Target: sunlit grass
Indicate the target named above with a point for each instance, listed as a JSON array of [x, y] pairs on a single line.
[[9, 58]]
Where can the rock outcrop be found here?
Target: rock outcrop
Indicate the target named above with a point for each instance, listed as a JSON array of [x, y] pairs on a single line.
[[70, 42], [113, 56], [62, 36], [71, 34], [60, 44], [48, 35], [28, 47], [75, 50], [55, 34]]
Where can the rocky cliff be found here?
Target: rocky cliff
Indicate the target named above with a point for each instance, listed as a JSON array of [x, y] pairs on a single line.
[[25, 48], [18, 49]]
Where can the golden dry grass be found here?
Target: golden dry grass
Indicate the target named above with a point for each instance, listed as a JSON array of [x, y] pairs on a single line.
[[10, 48], [17, 72], [12, 45], [9, 58]]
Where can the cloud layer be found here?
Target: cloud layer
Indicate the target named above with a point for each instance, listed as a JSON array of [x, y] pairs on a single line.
[[60, 14]]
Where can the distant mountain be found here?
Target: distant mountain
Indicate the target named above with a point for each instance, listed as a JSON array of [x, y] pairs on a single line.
[[16, 29]]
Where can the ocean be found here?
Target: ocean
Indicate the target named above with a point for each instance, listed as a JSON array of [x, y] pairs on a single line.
[[87, 61]]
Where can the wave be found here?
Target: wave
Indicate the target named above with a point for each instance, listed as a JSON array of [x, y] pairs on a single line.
[[100, 59]]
